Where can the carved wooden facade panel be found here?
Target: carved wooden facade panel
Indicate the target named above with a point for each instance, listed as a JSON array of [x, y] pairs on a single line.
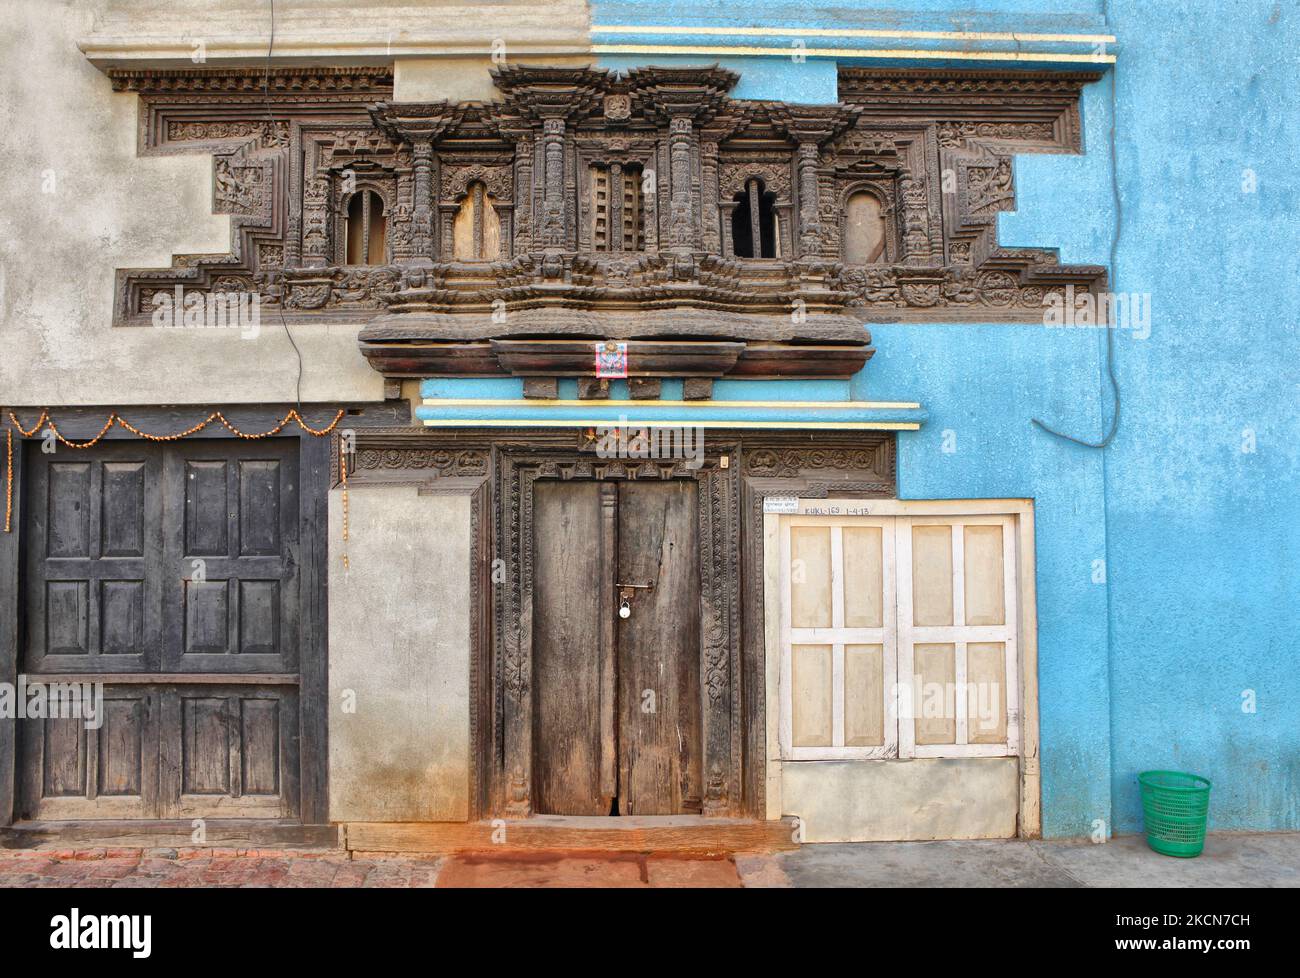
[[615, 195], [499, 469]]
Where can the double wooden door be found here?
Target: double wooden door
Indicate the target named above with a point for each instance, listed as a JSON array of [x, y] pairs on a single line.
[[616, 648], [168, 577]]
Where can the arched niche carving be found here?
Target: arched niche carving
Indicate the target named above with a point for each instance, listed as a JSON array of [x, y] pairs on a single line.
[[866, 225], [365, 227]]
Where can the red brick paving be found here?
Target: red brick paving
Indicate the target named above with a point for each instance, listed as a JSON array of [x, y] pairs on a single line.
[[227, 868], [224, 868], [587, 870]]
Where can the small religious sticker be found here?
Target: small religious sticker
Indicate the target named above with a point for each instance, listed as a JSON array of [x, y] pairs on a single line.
[[611, 359]]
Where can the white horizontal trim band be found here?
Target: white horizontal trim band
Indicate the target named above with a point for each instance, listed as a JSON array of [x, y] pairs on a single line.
[[851, 32]]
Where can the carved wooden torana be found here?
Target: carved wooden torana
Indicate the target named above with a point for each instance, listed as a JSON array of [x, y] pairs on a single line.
[[716, 236]]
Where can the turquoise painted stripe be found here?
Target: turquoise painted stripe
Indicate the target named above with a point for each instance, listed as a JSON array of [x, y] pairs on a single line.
[[450, 411], [472, 387], [499, 388]]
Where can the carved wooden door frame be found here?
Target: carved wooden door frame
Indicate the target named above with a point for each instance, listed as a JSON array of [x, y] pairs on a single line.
[[515, 470]]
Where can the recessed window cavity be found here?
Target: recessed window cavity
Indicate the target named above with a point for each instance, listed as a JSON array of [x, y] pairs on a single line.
[[367, 229], [754, 222], [617, 218]]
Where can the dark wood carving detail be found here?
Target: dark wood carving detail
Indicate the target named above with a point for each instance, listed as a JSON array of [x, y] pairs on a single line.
[[931, 149], [730, 525], [515, 470]]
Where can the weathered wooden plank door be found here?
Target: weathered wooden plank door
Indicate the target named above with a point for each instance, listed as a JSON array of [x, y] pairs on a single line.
[[170, 574], [659, 649], [617, 707], [568, 650]]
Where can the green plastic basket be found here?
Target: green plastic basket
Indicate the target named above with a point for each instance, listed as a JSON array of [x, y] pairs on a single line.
[[1175, 807]]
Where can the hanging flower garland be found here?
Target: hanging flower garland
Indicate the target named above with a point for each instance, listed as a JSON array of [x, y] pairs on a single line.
[[116, 419]]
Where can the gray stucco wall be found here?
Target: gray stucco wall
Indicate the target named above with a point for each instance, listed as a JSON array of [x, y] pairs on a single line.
[[909, 800], [399, 656], [77, 202]]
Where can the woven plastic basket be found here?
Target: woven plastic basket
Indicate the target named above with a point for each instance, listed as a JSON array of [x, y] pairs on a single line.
[[1175, 808]]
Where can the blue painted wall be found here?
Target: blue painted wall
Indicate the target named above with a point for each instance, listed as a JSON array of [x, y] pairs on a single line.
[[1200, 607]]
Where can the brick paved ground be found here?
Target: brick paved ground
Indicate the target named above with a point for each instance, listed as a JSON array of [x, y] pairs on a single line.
[[301, 868], [1230, 859]]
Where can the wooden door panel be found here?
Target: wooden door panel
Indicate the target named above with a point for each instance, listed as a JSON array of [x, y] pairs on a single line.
[[71, 771], [232, 559], [569, 574], [94, 531], [229, 752], [660, 732]]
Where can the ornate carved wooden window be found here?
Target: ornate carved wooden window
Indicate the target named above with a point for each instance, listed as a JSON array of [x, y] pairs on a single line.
[[617, 211], [416, 218], [754, 222], [865, 229], [476, 231], [367, 230]]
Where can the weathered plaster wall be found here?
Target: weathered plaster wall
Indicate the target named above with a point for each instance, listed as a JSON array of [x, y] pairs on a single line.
[[1196, 601], [76, 202], [1204, 560], [399, 655], [378, 31], [913, 800], [66, 133]]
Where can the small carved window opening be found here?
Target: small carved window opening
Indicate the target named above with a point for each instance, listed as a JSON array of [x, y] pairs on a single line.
[[367, 229], [865, 229], [617, 208], [754, 222], [476, 231]]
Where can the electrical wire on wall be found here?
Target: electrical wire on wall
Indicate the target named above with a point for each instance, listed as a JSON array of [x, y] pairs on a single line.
[[270, 119], [1114, 265]]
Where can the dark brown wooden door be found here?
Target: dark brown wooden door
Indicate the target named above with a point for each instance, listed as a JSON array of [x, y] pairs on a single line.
[[169, 573], [617, 699]]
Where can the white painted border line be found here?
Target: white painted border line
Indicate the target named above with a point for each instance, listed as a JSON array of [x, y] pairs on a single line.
[[852, 32], [649, 403], [675, 423], [901, 54]]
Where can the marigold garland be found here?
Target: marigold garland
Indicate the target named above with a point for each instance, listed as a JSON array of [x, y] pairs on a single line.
[[116, 419]]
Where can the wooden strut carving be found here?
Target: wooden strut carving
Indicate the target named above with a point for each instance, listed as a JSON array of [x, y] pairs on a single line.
[[931, 149]]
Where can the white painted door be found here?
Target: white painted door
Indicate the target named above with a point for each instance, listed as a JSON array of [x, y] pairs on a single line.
[[898, 637]]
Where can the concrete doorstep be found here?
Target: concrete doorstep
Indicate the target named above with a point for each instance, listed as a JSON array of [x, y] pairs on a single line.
[[1229, 860]]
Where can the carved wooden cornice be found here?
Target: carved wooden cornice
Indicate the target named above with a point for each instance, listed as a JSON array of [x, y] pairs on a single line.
[[864, 82], [813, 123], [412, 122], [551, 93], [664, 94], [253, 81]]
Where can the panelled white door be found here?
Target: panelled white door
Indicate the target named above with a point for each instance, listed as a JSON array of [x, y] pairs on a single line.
[[898, 637], [838, 637]]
